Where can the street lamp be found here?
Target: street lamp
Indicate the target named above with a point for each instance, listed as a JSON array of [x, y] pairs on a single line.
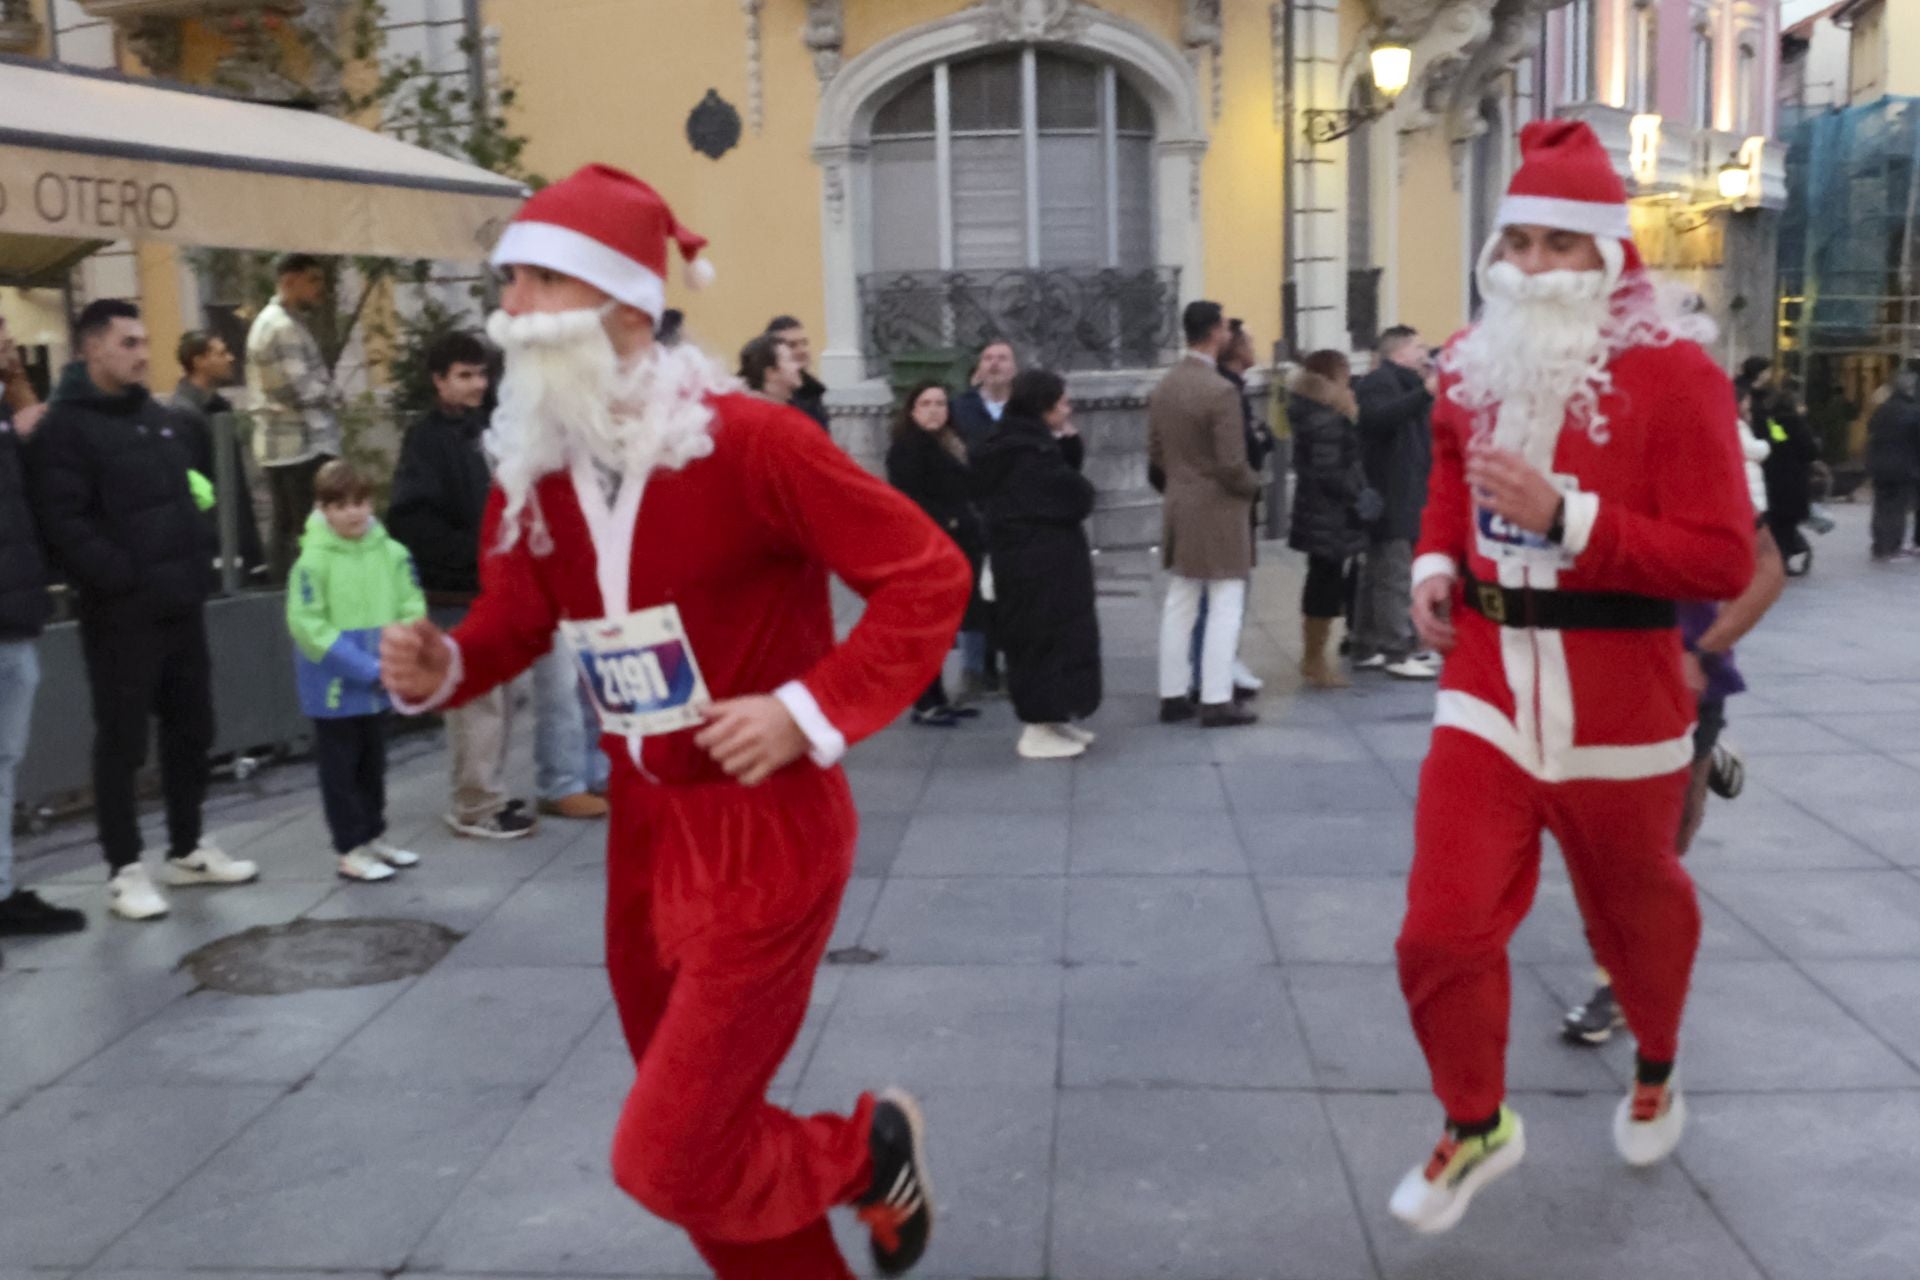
[[1392, 65]]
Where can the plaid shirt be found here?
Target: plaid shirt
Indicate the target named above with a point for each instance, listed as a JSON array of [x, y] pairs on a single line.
[[294, 398]]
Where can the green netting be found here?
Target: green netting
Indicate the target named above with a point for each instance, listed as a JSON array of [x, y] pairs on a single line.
[[1844, 238]]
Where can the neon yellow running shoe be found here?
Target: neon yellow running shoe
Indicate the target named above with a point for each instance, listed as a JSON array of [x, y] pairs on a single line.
[[1433, 1197]]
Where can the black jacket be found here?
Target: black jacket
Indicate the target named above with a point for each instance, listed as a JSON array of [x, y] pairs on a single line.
[[973, 420], [23, 568], [1893, 439], [1036, 503], [1788, 470], [1396, 447], [115, 510], [920, 466], [811, 399], [439, 496], [194, 410], [1329, 475]]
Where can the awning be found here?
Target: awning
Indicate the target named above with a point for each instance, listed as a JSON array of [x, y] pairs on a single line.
[[92, 157]]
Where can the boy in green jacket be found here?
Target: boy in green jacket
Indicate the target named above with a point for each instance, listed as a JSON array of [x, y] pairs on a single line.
[[350, 581]]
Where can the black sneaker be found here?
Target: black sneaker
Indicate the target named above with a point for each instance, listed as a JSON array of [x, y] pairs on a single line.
[[25, 912], [511, 823], [936, 717], [1174, 710], [1228, 715], [898, 1208], [1595, 1021], [1727, 772]]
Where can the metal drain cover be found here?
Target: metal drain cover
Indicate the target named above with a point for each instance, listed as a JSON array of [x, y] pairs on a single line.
[[310, 955]]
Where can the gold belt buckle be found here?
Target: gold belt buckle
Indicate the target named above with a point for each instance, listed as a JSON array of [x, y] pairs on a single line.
[[1493, 603]]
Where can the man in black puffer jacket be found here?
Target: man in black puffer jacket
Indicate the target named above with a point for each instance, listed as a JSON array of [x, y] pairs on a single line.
[[23, 611], [119, 517]]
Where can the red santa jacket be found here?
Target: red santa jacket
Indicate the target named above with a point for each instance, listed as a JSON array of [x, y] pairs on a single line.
[[1660, 510], [742, 542]]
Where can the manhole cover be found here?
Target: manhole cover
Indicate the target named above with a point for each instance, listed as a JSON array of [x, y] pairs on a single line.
[[308, 955]]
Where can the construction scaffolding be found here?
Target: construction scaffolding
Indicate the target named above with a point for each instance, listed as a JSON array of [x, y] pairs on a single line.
[[1849, 303]]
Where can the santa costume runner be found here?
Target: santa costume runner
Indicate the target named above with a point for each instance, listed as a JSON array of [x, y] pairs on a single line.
[[1587, 474], [688, 532]]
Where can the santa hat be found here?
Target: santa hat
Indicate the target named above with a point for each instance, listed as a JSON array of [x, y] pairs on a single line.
[[1566, 181], [609, 229]]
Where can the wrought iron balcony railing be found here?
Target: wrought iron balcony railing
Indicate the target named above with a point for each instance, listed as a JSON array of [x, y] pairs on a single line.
[[1067, 319]]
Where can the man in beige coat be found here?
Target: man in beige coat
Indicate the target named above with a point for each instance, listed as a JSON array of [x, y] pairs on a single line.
[[1197, 440]]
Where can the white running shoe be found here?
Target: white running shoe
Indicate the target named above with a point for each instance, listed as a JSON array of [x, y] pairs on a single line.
[[364, 865], [1085, 737], [1648, 1122], [392, 855], [131, 895], [1047, 742], [1414, 667], [1244, 678], [209, 865], [1433, 1197]]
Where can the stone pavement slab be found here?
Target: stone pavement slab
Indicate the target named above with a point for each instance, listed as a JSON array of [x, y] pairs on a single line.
[[1148, 999]]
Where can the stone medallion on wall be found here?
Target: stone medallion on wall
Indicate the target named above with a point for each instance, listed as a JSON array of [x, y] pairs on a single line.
[[713, 129]]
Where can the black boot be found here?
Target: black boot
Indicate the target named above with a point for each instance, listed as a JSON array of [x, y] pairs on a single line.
[[1174, 710]]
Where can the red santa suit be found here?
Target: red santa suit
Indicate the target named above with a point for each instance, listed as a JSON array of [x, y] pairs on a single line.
[[1563, 706], [721, 897]]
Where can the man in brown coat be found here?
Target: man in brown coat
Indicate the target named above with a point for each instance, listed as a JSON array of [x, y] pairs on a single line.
[[1197, 440]]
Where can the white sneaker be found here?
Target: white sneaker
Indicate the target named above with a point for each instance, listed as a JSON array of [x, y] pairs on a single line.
[[1085, 737], [1245, 679], [131, 895], [1648, 1122], [1046, 742], [209, 865], [392, 855], [1413, 668], [1434, 1196], [365, 865]]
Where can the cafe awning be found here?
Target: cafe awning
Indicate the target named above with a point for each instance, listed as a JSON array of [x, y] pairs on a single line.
[[89, 157]]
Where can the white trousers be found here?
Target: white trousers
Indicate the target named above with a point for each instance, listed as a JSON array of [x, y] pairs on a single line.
[[1226, 608]]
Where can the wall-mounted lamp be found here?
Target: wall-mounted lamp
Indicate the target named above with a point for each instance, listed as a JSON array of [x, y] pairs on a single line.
[[1733, 180], [1392, 65]]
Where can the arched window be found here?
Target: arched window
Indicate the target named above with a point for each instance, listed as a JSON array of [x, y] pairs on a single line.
[[1024, 158]]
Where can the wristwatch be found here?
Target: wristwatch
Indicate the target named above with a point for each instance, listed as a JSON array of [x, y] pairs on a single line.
[[1557, 531]]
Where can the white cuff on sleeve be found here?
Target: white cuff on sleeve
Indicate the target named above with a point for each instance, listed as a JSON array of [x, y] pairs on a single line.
[[1434, 564], [1581, 510], [829, 744], [456, 672]]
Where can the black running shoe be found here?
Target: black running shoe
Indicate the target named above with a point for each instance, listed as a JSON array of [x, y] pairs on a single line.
[[1727, 772], [898, 1208], [1595, 1021], [25, 912]]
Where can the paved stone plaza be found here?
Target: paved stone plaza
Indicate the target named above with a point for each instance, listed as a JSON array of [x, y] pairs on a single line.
[[1147, 996]]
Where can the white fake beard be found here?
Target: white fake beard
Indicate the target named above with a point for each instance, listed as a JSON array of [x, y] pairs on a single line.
[[1537, 357], [566, 397]]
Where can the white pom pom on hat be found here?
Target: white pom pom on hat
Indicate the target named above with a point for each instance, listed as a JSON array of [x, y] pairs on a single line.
[[700, 273]]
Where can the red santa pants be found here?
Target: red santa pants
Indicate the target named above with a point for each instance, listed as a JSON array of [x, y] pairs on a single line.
[[1476, 864], [720, 902]]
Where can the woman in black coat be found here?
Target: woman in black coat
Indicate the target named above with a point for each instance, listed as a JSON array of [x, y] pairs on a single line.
[[927, 461], [1027, 477], [1329, 525]]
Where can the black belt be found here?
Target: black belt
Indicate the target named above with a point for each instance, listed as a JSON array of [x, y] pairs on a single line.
[[1568, 610]]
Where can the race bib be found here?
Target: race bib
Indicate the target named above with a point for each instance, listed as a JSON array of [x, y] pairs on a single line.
[[640, 672], [1499, 539]]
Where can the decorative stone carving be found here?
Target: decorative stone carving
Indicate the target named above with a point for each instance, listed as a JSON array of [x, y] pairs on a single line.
[[825, 35], [1201, 32], [1003, 21], [1460, 49], [713, 127], [756, 83], [835, 181]]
